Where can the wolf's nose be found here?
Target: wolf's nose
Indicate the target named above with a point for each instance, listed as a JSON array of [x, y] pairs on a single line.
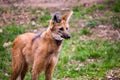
[[69, 36]]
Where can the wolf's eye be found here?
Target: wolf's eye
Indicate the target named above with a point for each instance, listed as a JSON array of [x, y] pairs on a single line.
[[67, 28], [61, 29]]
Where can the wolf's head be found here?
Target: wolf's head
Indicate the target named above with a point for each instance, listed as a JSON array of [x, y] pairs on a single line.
[[59, 26]]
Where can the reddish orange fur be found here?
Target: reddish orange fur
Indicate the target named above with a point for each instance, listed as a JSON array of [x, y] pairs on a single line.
[[42, 54]]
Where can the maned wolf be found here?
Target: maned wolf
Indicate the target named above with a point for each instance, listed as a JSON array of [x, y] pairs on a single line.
[[40, 50]]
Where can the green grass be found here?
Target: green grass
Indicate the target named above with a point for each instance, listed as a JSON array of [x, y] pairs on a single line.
[[116, 6], [79, 12], [91, 23], [108, 53], [92, 9], [43, 16], [84, 31], [116, 21], [99, 7], [2, 9], [103, 20], [44, 20], [8, 34]]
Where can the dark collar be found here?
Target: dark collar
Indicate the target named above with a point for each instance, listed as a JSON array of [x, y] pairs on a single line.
[[58, 42], [37, 36]]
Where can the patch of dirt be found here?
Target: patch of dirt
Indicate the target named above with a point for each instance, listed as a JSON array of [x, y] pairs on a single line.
[[16, 16], [113, 74], [105, 32], [22, 17], [51, 4]]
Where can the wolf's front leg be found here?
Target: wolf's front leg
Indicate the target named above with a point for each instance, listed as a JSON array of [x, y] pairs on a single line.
[[50, 68], [37, 69]]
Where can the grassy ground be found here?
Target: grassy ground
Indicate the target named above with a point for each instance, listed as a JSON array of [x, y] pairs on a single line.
[[79, 59]]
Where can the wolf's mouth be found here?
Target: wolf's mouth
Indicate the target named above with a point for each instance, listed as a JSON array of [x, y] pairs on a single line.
[[60, 37], [57, 37], [65, 36]]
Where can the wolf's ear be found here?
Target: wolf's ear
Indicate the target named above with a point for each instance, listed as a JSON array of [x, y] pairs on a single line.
[[57, 18], [67, 16]]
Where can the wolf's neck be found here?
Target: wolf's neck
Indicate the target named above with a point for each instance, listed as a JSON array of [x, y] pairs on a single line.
[[58, 42], [53, 37]]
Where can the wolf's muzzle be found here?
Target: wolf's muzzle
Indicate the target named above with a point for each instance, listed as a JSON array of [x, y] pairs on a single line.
[[66, 36]]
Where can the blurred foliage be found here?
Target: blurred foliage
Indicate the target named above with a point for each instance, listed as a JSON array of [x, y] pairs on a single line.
[[116, 21], [91, 23], [116, 6], [84, 31]]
